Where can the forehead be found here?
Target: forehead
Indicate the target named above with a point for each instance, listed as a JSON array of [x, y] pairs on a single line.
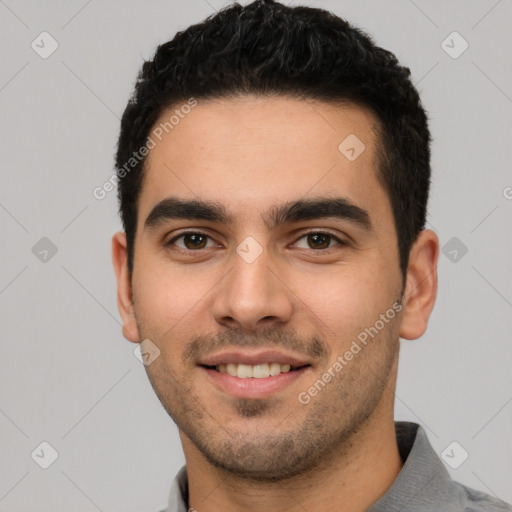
[[250, 153]]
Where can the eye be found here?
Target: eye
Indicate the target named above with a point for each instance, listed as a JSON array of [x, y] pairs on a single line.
[[195, 241], [192, 241], [319, 240]]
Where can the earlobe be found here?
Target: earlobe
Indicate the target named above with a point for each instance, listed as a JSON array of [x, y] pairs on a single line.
[[421, 286], [124, 287]]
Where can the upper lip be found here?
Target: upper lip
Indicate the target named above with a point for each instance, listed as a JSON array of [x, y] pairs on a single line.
[[237, 357]]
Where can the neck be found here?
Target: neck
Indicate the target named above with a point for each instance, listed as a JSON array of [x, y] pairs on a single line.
[[354, 478]]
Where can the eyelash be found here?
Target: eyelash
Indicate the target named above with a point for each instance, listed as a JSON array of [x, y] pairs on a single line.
[[192, 251]]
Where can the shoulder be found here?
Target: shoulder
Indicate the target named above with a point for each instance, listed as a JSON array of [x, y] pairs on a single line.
[[477, 501]]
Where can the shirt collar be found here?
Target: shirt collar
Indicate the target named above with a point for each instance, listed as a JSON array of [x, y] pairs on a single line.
[[178, 495], [422, 474]]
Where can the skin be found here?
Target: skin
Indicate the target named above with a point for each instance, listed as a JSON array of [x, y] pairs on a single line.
[[251, 153]]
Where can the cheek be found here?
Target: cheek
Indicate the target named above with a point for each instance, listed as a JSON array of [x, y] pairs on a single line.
[[343, 303], [163, 297]]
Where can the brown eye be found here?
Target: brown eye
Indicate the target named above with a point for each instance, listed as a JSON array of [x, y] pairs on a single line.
[[190, 241], [319, 240]]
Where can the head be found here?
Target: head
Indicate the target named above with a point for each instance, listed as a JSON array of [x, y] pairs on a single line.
[[295, 154]]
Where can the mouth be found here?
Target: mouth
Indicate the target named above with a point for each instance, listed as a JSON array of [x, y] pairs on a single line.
[[249, 374], [256, 371]]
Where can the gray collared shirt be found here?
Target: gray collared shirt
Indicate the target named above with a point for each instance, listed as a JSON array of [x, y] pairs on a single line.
[[423, 484]]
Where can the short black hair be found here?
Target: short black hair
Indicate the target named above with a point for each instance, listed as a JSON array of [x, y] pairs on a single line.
[[267, 48]]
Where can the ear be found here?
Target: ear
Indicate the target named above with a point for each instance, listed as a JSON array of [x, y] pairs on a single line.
[[421, 285], [124, 287]]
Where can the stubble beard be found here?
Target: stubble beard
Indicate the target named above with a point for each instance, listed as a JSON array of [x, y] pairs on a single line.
[[291, 448]]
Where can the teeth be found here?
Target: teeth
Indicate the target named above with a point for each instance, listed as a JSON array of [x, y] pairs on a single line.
[[257, 371], [244, 371], [275, 369], [231, 369]]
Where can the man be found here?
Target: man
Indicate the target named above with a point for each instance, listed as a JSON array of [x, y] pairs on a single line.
[[274, 171]]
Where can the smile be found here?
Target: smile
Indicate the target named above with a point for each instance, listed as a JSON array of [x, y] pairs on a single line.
[[253, 381], [256, 371]]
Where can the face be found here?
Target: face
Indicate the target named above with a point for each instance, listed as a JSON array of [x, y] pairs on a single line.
[[261, 242]]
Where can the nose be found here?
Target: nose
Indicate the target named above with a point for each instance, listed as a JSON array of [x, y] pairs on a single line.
[[253, 295]]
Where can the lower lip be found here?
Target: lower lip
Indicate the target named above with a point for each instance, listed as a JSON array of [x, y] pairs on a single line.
[[252, 387]]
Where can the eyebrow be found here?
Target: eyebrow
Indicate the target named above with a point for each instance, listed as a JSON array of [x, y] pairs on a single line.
[[292, 211]]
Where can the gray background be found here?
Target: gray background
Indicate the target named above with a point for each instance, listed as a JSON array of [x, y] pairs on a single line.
[[68, 377]]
